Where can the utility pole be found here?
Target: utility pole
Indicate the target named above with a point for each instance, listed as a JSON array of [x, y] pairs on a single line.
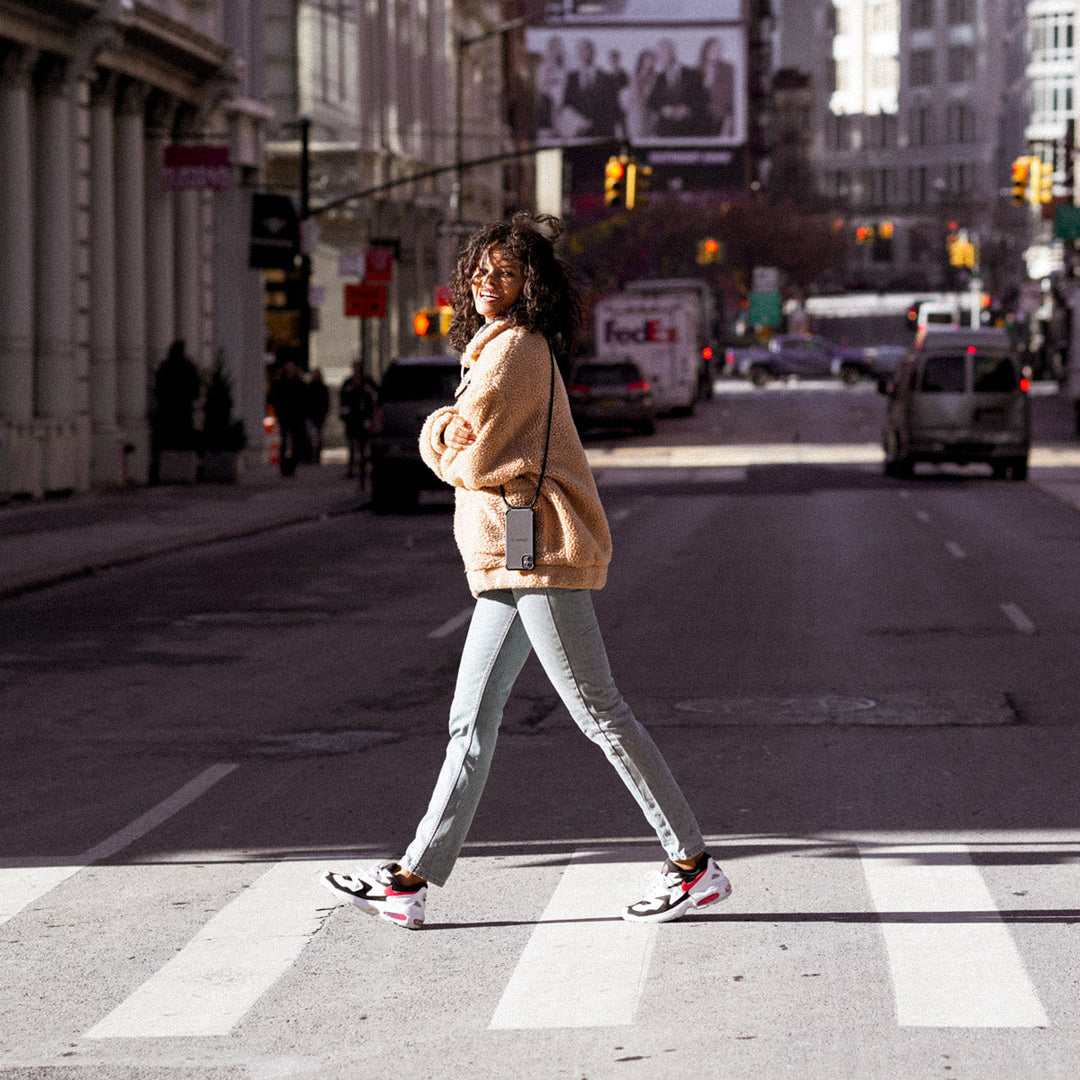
[[305, 240]]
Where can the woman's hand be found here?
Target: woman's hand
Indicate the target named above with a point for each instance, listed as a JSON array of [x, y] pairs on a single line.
[[458, 434]]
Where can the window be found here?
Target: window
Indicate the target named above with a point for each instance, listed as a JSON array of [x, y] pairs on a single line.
[[919, 119], [993, 374], [922, 14], [922, 67], [960, 123], [961, 64], [961, 11], [943, 375]]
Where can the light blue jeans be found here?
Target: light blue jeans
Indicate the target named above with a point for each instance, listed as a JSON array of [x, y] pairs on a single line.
[[560, 624]]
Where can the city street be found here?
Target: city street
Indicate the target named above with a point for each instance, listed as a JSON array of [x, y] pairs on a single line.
[[866, 686]]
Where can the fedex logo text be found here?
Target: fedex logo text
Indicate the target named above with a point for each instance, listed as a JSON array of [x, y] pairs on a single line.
[[650, 332]]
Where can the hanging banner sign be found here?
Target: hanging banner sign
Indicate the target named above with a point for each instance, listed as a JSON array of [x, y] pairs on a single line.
[[200, 168], [365, 301], [275, 232], [379, 265]]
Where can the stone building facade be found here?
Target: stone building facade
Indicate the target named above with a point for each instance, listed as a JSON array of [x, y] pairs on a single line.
[[107, 260]]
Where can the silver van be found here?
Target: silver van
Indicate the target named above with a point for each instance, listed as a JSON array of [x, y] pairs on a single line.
[[959, 396]]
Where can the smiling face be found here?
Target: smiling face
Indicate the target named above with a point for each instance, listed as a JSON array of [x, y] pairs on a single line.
[[497, 282]]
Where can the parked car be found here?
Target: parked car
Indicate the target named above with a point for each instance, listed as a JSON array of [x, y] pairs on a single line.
[[411, 389], [883, 361], [611, 394], [785, 355], [850, 364], [959, 396], [876, 362]]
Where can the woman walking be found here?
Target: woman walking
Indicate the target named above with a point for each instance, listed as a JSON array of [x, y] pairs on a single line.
[[509, 441]]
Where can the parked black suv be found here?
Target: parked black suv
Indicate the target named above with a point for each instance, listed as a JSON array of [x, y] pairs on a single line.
[[411, 389]]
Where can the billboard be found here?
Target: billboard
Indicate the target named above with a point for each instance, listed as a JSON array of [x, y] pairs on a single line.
[[663, 84], [644, 11]]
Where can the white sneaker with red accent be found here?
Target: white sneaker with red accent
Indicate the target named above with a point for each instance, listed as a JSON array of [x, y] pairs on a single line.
[[674, 892], [377, 892]]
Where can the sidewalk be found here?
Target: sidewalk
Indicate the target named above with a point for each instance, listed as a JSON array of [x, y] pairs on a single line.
[[44, 542]]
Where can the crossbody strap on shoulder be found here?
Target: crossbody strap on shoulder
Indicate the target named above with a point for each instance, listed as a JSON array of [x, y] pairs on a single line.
[[547, 440]]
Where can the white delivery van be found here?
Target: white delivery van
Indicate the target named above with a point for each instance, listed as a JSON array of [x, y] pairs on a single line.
[[661, 326]]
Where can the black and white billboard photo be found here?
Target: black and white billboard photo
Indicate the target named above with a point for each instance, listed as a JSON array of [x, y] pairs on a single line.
[[664, 84]]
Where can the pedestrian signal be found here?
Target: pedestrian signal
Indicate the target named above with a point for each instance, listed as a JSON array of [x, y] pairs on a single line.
[[615, 181]]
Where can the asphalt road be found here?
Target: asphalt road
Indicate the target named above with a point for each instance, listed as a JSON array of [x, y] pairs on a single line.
[[866, 686]]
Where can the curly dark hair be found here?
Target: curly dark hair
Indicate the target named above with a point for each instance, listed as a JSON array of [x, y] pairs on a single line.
[[549, 302]]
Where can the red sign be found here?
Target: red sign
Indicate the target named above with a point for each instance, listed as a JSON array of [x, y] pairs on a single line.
[[198, 167], [379, 264], [365, 301]]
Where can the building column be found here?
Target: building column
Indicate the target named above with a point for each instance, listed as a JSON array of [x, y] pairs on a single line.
[[55, 390], [107, 456], [160, 245], [133, 362], [18, 457], [188, 275]]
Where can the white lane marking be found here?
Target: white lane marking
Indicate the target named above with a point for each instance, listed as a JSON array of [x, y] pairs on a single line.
[[1017, 617], [620, 515], [208, 987], [923, 516], [583, 966], [962, 972], [955, 550], [448, 627], [22, 885]]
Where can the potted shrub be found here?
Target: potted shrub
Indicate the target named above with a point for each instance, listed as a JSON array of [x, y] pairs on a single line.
[[223, 435]]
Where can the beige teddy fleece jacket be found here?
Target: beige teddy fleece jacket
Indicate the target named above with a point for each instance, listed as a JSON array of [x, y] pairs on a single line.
[[504, 397]]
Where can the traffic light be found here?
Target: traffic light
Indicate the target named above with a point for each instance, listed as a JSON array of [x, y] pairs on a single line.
[[1020, 169], [432, 321], [708, 251], [615, 181], [1044, 193], [638, 181]]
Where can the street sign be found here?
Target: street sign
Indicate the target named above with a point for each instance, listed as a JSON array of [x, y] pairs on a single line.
[[765, 308], [1067, 222], [365, 301], [379, 265]]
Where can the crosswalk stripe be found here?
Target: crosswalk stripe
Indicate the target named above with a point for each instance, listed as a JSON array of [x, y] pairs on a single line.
[[965, 972], [580, 969], [22, 885], [209, 986]]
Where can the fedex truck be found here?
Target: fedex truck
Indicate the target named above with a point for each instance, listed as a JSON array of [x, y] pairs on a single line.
[[663, 326]]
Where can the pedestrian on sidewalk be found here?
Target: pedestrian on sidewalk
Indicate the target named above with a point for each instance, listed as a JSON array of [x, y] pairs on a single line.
[[317, 405], [288, 399], [509, 441], [356, 409]]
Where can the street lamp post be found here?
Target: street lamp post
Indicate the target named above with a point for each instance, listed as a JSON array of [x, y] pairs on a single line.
[[305, 254]]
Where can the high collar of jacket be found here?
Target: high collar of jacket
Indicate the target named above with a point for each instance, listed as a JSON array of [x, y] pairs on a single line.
[[488, 332]]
